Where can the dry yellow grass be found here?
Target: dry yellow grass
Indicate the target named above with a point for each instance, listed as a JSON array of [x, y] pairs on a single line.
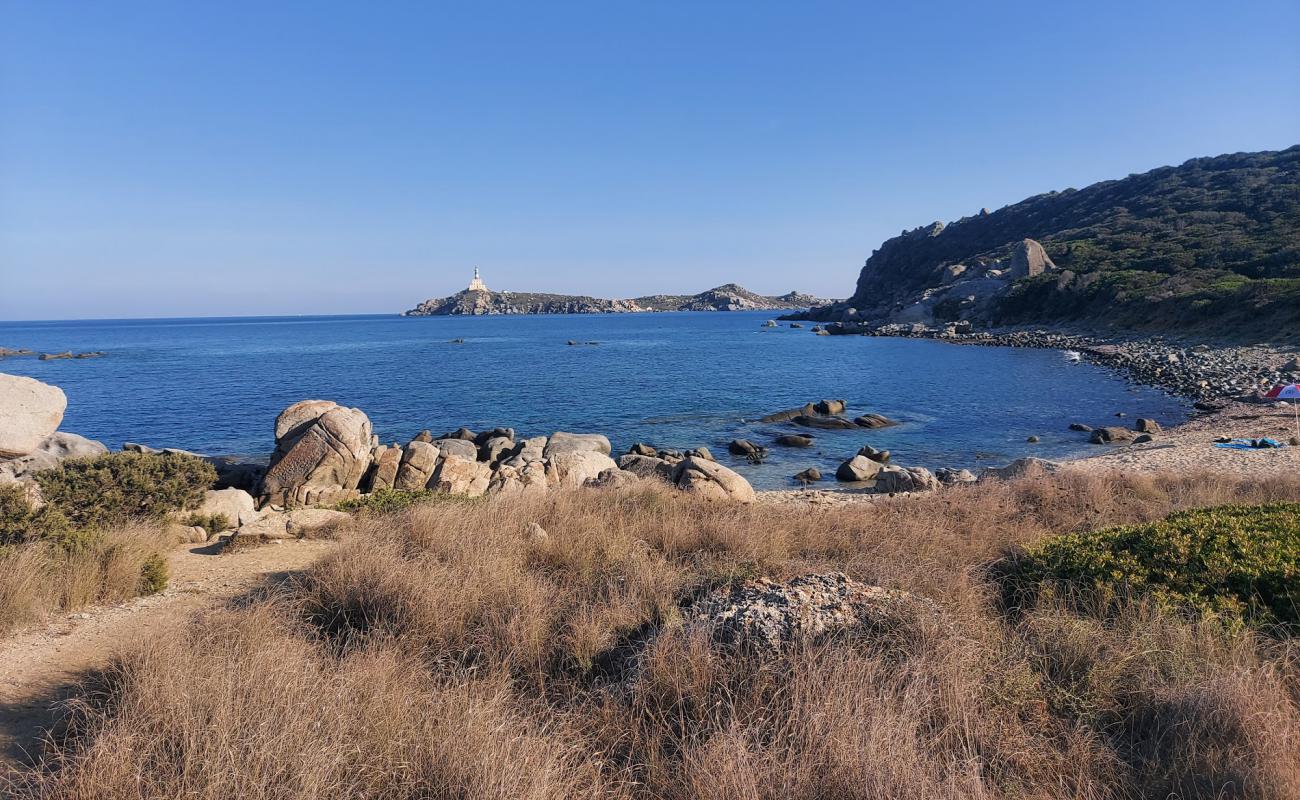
[[38, 577], [441, 652]]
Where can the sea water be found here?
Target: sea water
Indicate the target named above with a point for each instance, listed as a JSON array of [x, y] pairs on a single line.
[[215, 385]]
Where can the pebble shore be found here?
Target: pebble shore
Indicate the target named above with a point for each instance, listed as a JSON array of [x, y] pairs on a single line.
[[1198, 370]]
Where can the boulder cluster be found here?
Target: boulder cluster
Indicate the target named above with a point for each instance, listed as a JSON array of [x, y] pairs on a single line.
[[326, 453]]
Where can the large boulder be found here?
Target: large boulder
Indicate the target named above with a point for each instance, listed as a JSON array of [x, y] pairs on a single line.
[[57, 448], [496, 449], [711, 480], [897, 480], [765, 616], [744, 447], [858, 468], [456, 475], [562, 442], [30, 412], [1111, 435], [322, 451], [1028, 258], [576, 467], [647, 466], [527, 478], [456, 446], [525, 452], [236, 505], [419, 460], [386, 462]]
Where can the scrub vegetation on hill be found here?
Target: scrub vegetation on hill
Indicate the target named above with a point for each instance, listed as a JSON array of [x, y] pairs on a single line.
[[1212, 241], [456, 650]]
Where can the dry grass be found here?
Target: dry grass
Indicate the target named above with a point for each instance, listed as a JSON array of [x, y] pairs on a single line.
[[40, 577], [442, 653]]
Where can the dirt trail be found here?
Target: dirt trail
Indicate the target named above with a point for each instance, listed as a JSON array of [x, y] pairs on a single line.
[[41, 665]]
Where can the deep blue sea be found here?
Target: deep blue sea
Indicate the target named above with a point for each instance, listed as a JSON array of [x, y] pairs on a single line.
[[672, 380]]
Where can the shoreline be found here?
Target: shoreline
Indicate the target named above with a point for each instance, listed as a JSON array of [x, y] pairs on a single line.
[[1199, 369]]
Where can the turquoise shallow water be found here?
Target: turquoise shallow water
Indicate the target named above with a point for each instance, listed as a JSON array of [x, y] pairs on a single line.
[[673, 380]]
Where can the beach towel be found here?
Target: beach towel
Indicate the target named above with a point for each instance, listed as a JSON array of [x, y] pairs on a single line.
[[1250, 444]]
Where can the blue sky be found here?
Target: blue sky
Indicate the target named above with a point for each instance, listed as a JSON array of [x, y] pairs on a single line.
[[203, 158]]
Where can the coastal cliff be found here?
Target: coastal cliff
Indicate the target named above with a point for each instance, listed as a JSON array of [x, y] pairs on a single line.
[[477, 301], [1211, 244]]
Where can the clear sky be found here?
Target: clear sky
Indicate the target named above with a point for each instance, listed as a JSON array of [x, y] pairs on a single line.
[[212, 158]]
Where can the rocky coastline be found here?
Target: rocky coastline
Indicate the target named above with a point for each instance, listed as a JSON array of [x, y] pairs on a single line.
[[1203, 371]]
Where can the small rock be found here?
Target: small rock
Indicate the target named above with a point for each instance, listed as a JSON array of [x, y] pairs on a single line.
[[810, 475], [1032, 440]]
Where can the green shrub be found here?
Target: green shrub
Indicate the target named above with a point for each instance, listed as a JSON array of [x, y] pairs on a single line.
[[1235, 562], [20, 523], [115, 488], [153, 575], [212, 523], [386, 501]]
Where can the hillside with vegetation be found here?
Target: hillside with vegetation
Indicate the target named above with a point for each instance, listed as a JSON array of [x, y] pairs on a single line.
[[1212, 242]]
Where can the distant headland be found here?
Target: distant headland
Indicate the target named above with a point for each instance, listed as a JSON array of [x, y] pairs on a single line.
[[479, 300]]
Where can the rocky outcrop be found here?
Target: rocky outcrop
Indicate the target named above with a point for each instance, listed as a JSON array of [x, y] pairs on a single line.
[[1028, 258], [563, 442], [764, 616], [322, 450], [30, 412]]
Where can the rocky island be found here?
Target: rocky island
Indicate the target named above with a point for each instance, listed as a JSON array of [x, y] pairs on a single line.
[[478, 300]]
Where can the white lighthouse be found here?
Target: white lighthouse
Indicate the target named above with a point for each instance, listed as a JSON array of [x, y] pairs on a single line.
[[477, 285]]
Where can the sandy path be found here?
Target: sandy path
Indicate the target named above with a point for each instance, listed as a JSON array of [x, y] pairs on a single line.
[[42, 664]]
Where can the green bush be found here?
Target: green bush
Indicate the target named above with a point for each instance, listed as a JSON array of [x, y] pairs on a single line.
[[20, 523], [1235, 562], [153, 575], [212, 523], [115, 488], [386, 501]]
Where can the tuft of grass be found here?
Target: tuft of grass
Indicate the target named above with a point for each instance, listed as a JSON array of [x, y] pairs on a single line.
[[117, 488], [39, 577], [1237, 562]]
